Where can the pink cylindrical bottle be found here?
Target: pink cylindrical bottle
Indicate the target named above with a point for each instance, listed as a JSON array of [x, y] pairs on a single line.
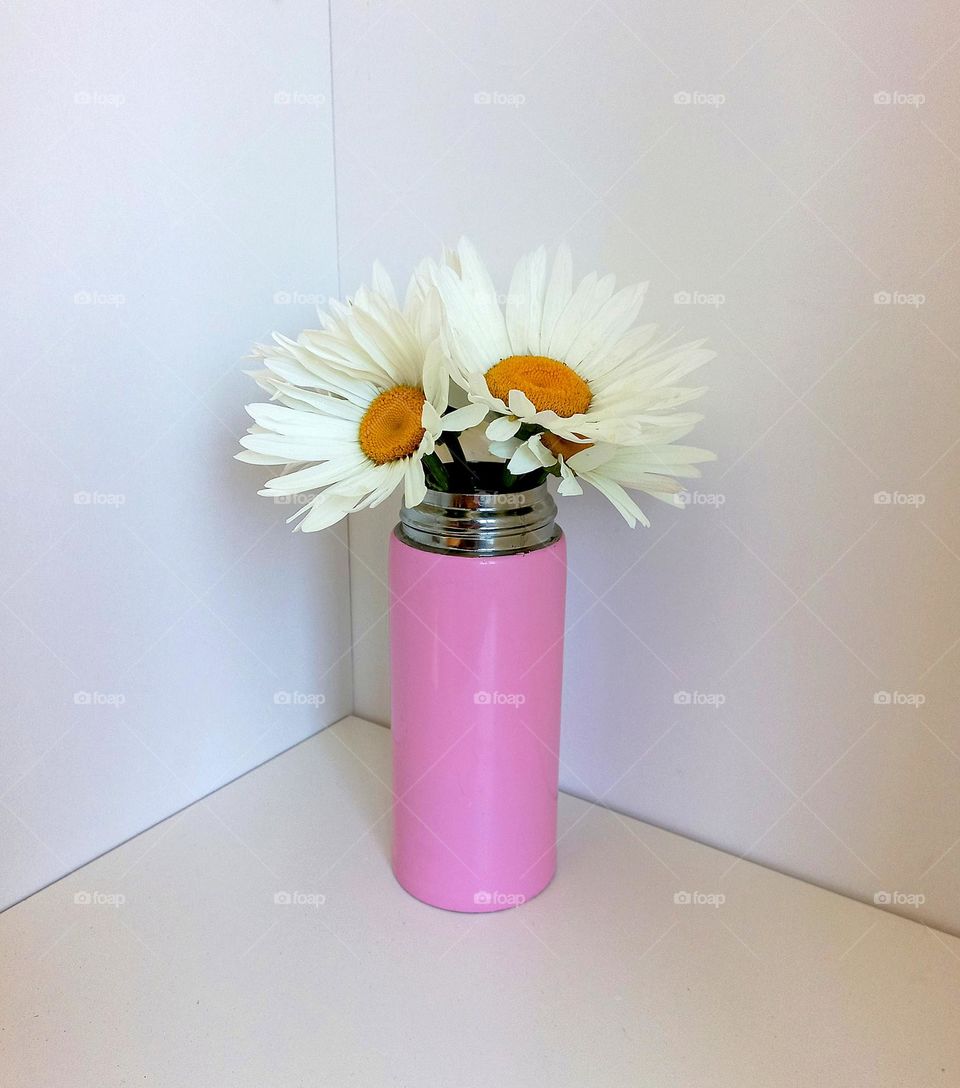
[[477, 586]]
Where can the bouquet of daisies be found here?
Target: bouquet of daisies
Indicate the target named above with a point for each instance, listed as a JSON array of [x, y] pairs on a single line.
[[556, 378]]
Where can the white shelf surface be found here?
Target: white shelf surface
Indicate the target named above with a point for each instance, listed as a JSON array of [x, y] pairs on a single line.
[[181, 970]]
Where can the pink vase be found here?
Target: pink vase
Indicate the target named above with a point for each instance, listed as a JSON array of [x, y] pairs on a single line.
[[477, 585]]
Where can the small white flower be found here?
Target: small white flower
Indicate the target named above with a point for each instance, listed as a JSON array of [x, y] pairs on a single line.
[[598, 396], [356, 405], [562, 358]]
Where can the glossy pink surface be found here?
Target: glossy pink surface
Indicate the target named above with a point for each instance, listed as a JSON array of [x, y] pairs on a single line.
[[477, 655]]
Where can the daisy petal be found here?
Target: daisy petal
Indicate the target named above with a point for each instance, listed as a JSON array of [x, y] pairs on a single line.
[[569, 484], [591, 457], [502, 428], [414, 483], [557, 296], [502, 449], [313, 476], [461, 419], [383, 285], [620, 499], [436, 379], [599, 335], [525, 302], [430, 419], [252, 458], [525, 459], [520, 404], [591, 294], [480, 287], [326, 510]]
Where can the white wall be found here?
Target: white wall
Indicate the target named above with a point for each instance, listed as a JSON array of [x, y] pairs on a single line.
[[160, 205], [168, 199], [797, 199]]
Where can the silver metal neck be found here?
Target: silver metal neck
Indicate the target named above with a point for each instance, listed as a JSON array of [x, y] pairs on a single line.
[[481, 523]]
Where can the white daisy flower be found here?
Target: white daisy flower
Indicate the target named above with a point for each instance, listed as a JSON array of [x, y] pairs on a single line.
[[562, 358], [650, 467], [356, 406]]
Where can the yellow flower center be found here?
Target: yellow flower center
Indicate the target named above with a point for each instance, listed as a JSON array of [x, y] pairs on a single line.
[[550, 385], [391, 427], [563, 447]]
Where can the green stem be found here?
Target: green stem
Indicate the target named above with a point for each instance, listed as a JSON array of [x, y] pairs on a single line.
[[436, 472]]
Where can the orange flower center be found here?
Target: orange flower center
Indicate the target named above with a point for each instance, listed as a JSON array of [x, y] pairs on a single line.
[[391, 427], [562, 447], [550, 385]]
